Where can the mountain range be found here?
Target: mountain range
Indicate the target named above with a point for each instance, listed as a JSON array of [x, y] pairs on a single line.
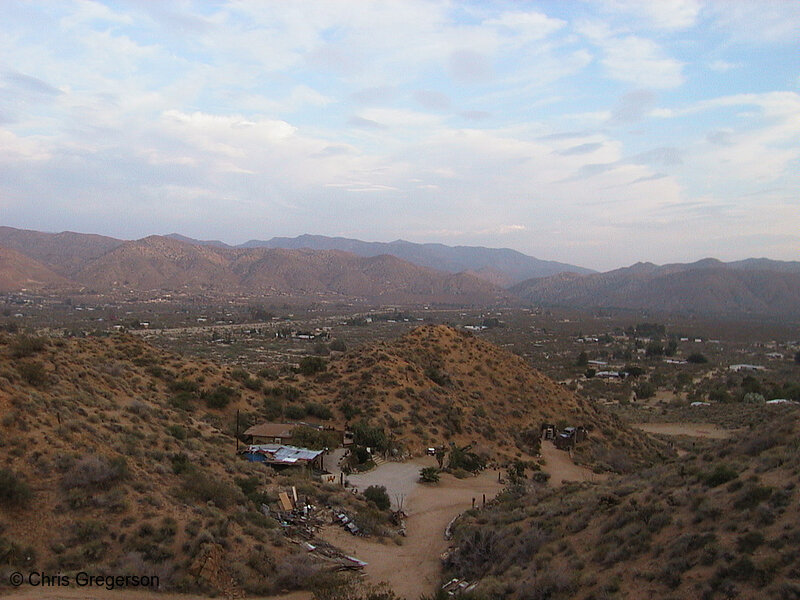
[[396, 272], [753, 286]]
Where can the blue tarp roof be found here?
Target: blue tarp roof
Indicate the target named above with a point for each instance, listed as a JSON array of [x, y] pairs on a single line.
[[283, 454]]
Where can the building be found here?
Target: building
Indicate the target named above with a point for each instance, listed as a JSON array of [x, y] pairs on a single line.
[[270, 433], [281, 455]]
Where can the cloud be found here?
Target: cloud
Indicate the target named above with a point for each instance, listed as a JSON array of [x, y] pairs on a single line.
[[634, 59], [432, 99], [468, 66], [723, 66], [361, 122], [662, 14], [476, 115], [632, 107], [581, 149], [28, 84]]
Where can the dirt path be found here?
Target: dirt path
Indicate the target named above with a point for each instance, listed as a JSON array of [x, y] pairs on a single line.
[[414, 568], [702, 430], [561, 468]]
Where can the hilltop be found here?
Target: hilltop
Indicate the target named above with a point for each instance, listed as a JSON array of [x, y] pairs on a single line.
[[438, 385]]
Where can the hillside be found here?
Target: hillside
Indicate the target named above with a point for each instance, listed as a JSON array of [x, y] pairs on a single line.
[[162, 263], [719, 523], [438, 385], [118, 458], [757, 288], [500, 266], [64, 252], [18, 271]]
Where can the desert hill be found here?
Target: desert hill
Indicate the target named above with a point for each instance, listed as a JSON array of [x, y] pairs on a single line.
[[125, 453], [64, 252], [719, 523], [438, 385], [120, 458], [18, 271], [758, 287]]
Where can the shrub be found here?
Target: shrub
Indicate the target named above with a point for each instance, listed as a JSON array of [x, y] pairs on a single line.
[[27, 346], [294, 411], [378, 495], [429, 475], [696, 358], [95, 471], [310, 365], [721, 474], [176, 431], [198, 486], [33, 372], [220, 397], [13, 490], [314, 409]]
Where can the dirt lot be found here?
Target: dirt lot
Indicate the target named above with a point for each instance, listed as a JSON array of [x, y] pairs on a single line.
[[701, 430], [414, 567]]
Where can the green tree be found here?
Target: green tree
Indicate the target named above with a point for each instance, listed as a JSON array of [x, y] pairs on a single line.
[[583, 359]]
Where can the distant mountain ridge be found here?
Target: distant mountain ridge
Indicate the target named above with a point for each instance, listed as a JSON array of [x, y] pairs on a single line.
[[501, 266], [759, 287]]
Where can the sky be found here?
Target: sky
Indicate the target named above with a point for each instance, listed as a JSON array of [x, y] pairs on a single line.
[[594, 132]]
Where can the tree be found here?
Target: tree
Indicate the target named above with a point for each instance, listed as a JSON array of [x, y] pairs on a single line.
[[797, 357], [583, 359], [696, 358]]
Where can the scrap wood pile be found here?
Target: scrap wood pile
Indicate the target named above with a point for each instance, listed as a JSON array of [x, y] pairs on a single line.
[[330, 556]]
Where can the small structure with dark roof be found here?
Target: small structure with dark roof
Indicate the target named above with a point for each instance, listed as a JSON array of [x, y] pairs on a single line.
[[270, 433]]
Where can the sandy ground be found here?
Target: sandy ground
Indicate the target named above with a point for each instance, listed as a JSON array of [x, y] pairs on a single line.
[[561, 468], [399, 478], [414, 568], [702, 430]]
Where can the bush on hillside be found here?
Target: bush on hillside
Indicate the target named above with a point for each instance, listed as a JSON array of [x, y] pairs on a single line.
[[14, 492]]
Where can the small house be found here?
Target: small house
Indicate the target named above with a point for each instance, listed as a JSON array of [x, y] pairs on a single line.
[[270, 433]]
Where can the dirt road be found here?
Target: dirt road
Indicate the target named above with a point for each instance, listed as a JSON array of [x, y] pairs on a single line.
[[414, 568], [702, 430], [561, 468]]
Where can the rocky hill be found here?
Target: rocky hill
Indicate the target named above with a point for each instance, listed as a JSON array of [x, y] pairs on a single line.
[[718, 523], [762, 288]]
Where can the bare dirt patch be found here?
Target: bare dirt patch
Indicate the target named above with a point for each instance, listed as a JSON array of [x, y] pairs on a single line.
[[700, 430], [414, 567]]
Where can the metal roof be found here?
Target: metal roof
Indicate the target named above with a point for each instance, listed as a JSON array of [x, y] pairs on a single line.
[[281, 453]]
